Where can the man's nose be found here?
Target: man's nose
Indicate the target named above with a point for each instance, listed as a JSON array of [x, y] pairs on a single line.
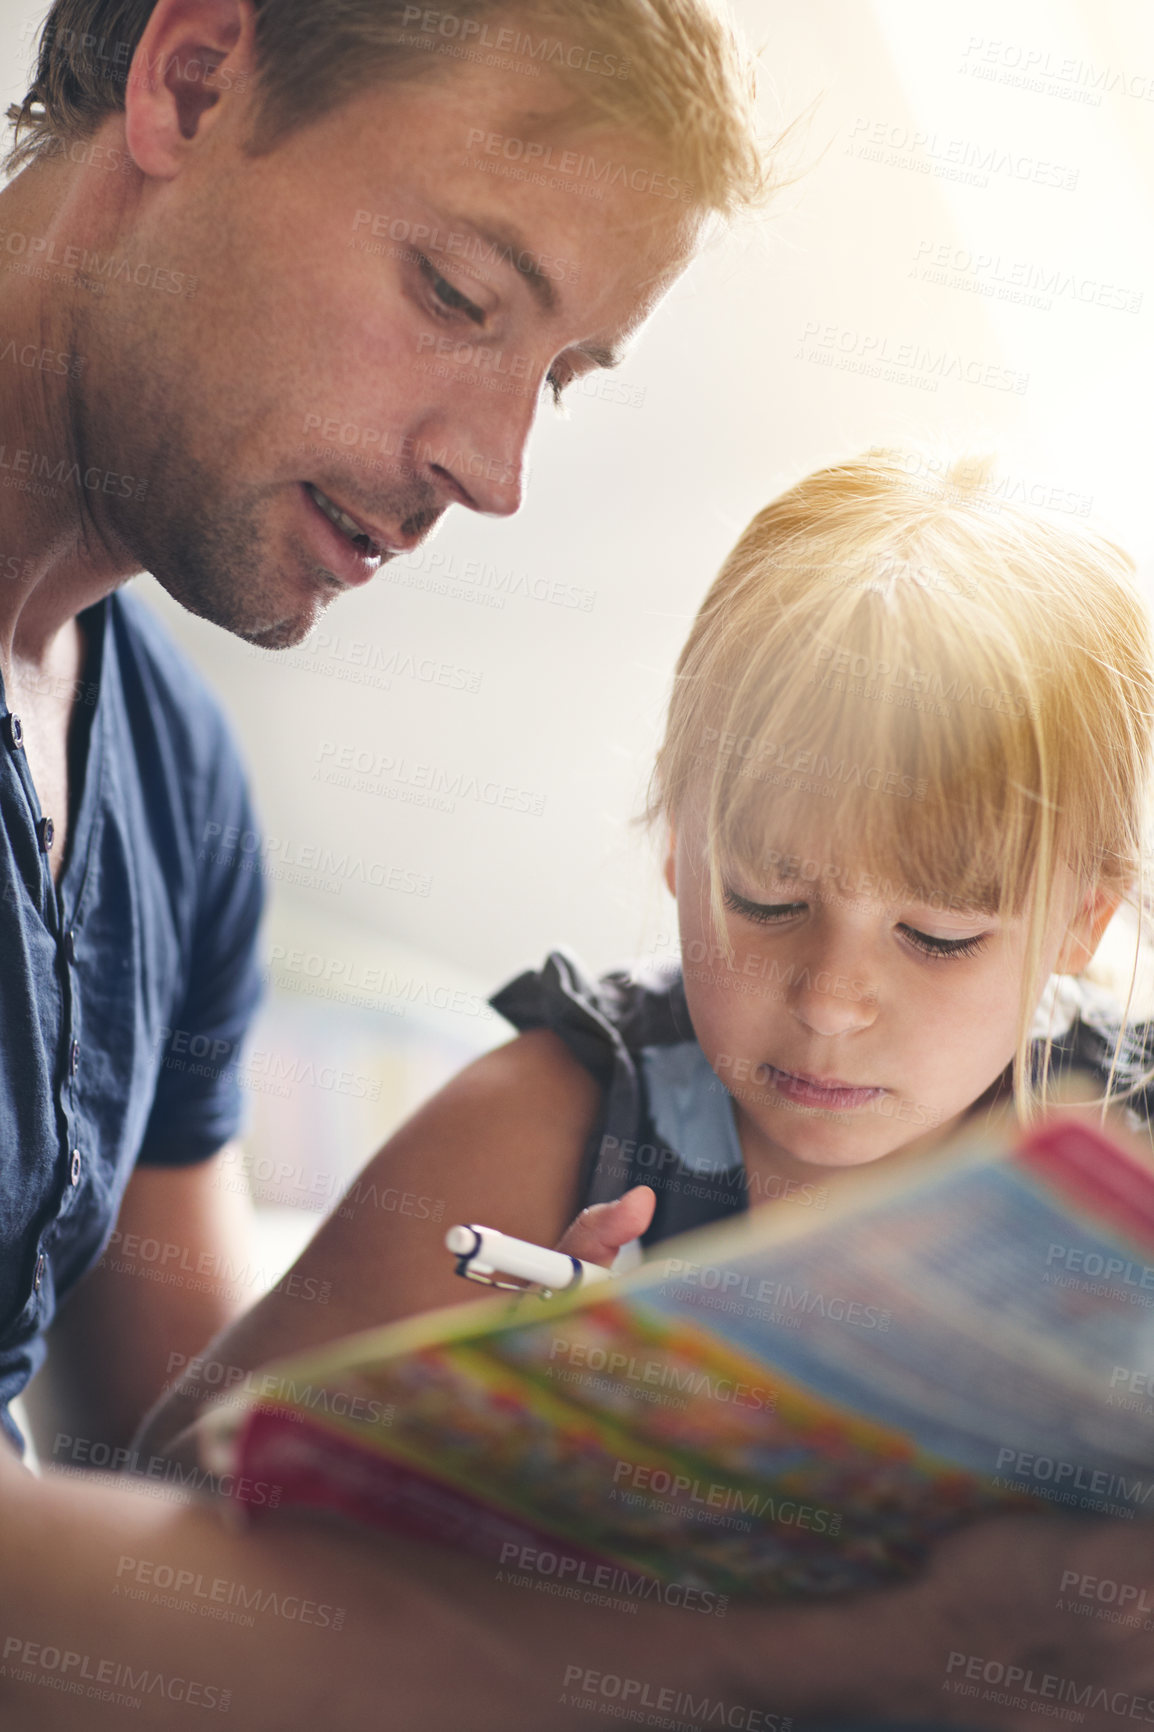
[[477, 452]]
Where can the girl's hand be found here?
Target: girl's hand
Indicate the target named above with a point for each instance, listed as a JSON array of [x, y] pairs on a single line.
[[599, 1231]]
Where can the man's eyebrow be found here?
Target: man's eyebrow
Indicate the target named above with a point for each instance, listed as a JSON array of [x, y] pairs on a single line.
[[512, 251]]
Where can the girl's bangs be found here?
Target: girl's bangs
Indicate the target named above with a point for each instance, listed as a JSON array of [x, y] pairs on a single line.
[[907, 790]]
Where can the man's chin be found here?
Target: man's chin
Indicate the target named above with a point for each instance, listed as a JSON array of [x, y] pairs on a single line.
[[278, 622], [284, 635]]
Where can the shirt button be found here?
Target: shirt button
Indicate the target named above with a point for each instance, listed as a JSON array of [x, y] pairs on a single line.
[[74, 1170], [45, 831], [70, 945], [74, 1057], [38, 1278], [13, 731]]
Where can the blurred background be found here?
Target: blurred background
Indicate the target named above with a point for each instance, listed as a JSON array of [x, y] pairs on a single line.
[[966, 254]]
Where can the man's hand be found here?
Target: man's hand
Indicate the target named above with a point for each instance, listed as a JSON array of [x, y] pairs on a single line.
[[599, 1231]]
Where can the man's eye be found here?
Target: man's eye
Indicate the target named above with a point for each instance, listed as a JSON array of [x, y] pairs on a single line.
[[765, 914], [451, 300]]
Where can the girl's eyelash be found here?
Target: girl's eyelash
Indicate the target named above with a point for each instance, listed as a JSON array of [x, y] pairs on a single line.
[[555, 384], [945, 946], [451, 299], [770, 914], [763, 913]]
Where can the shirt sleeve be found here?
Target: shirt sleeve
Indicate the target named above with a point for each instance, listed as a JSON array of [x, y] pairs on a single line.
[[199, 1104], [562, 998], [584, 1014]]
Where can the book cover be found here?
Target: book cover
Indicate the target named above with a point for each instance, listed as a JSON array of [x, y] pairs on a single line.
[[775, 1407]]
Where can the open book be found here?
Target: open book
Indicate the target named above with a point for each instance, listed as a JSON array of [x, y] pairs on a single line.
[[777, 1406]]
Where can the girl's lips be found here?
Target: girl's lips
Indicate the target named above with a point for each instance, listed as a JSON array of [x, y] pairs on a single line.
[[808, 1091]]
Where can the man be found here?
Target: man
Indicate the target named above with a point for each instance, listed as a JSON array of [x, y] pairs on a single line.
[[184, 317], [197, 312]]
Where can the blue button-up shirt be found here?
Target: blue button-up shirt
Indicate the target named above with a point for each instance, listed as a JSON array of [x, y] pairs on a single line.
[[126, 988]]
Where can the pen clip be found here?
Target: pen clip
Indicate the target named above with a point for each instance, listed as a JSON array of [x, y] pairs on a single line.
[[490, 1280], [522, 1288]]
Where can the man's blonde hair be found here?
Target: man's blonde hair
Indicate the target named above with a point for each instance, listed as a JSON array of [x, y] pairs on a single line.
[[952, 693], [673, 71]]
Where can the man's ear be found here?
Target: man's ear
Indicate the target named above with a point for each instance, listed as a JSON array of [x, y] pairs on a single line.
[[1084, 934], [191, 53], [670, 868]]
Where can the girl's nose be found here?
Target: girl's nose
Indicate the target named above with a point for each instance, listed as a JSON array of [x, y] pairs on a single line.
[[829, 1001]]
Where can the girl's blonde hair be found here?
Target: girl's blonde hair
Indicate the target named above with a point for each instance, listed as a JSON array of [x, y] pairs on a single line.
[[960, 687]]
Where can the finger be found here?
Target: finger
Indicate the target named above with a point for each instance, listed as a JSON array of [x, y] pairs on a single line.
[[599, 1232]]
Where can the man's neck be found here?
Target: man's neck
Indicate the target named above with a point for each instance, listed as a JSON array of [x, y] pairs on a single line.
[[57, 559]]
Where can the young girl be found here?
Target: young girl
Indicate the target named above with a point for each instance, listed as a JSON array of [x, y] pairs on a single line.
[[904, 780]]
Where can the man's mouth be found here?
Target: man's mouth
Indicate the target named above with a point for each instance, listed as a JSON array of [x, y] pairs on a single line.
[[348, 526]]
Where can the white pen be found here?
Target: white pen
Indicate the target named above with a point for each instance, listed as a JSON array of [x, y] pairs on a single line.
[[483, 1254]]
